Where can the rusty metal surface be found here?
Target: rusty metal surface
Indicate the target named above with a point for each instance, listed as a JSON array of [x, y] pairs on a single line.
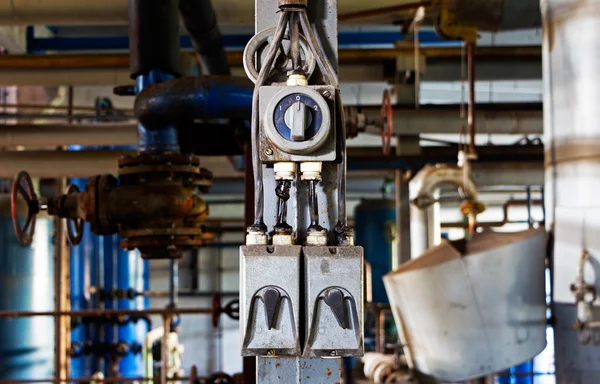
[[299, 370]]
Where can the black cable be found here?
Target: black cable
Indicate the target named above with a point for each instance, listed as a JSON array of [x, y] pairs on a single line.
[[272, 54], [313, 206], [283, 193], [295, 42], [327, 70]]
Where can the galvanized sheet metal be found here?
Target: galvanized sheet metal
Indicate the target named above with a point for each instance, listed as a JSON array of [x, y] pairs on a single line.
[[465, 317]]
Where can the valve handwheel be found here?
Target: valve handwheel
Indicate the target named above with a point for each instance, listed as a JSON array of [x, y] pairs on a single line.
[[387, 123], [74, 226], [23, 188]]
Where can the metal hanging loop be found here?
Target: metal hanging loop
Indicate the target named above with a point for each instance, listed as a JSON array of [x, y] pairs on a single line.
[[23, 187], [261, 40]]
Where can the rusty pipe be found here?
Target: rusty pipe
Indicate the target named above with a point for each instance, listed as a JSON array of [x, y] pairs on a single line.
[[108, 312], [496, 224]]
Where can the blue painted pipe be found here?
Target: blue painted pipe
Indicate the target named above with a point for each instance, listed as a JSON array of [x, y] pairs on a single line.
[[132, 273], [162, 138], [373, 220], [519, 374], [181, 101], [26, 283]]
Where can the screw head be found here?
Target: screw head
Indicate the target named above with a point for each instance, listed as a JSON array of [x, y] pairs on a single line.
[[326, 94], [269, 152]]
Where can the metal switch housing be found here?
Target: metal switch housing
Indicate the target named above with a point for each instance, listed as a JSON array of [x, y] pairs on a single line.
[[333, 292], [297, 123], [270, 300]]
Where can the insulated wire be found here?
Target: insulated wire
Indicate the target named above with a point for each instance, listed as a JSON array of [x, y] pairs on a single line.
[[328, 72], [274, 48]]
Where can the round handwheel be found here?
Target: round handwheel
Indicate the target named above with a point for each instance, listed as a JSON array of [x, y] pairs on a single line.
[[74, 226], [232, 309], [23, 188], [387, 123]]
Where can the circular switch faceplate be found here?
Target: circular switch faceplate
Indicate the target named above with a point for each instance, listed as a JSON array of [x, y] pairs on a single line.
[[308, 109]]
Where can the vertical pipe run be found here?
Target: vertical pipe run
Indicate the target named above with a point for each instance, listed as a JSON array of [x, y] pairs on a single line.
[[471, 107], [173, 282], [154, 57]]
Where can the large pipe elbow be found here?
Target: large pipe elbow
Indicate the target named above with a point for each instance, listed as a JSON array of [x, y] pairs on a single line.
[[183, 100], [430, 178]]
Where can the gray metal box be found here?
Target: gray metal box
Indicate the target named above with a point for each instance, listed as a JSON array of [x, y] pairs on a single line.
[[270, 153], [270, 300], [334, 301]]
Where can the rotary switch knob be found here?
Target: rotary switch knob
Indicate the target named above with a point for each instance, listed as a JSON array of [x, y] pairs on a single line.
[[298, 118]]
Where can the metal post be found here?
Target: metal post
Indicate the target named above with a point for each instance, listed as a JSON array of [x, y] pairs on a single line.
[[62, 325], [249, 363], [173, 282], [529, 218], [403, 241]]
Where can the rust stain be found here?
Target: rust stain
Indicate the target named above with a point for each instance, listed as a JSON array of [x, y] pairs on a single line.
[[277, 365]]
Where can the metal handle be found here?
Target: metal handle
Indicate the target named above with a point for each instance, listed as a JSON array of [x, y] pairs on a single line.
[[74, 226], [23, 187], [387, 123]]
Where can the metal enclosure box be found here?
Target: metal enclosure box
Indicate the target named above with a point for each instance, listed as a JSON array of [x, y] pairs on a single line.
[[270, 300], [270, 153], [334, 301]]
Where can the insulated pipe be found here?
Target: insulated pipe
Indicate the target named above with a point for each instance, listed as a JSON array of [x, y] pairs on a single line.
[[497, 15], [200, 21], [428, 180], [571, 58], [153, 37], [186, 99]]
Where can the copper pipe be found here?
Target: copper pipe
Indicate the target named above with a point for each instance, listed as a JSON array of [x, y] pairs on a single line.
[[234, 58], [383, 11], [471, 110], [108, 312], [89, 379], [496, 224]]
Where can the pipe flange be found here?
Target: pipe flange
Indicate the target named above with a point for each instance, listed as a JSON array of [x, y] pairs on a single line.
[[263, 38]]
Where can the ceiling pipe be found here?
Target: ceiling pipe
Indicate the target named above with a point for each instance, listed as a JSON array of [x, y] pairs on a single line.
[[200, 21], [497, 15]]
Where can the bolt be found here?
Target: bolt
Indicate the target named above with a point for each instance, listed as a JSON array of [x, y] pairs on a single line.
[[271, 352], [333, 353], [326, 93], [269, 152]]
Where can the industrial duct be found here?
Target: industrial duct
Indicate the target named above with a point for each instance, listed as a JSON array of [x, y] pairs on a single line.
[[497, 15]]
